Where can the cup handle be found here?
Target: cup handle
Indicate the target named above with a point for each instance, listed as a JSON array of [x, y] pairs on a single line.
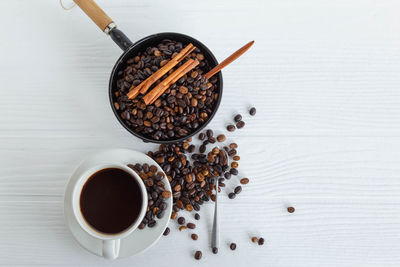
[[111, 249]]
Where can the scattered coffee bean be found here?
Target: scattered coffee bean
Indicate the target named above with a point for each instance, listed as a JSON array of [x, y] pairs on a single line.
[[236, 158], [152, 223], [197, 216], [234, 164], [209, 133], [198, 255], [202, 136], [261, 241], [194, 236], [254, 239], [181, 220], [238, 189], [233, 145], [231, 128], [227, 175], [221, 138], [234, 171], [212, 139], [183, 227], [232, 152], [237, 118], [215, 250], [291, 209], [174, 215], [202, 148], [244, 180], [191, 226], [240, 124], [233, 246], [252, 111], [166, 231], [166, 194], [232, 195]]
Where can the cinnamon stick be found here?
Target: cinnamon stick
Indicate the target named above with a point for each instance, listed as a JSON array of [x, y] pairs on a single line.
[[177, 59], [229, 60], [145, 85], [188, 68], [147, 98]]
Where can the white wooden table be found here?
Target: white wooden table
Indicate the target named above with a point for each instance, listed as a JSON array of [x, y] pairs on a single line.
[[324, 76]]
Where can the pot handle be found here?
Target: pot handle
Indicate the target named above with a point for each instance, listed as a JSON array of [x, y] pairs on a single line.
[[94, 12], [104, 22]]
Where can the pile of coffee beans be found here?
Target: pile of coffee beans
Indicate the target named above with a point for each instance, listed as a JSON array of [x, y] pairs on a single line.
[[156, 192], [192, 173], [193, 180], [182, 109]]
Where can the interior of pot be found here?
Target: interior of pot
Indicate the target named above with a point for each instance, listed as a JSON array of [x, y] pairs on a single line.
[[141, 45]]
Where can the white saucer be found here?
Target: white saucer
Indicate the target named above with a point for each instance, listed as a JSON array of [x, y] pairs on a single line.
[[139, 240]]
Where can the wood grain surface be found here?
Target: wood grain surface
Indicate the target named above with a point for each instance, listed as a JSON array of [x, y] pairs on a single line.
[[324, 76]]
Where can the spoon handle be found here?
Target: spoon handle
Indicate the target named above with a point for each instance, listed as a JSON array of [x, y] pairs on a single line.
[[215, 229]]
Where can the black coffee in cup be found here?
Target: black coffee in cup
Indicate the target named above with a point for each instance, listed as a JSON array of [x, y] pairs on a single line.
[[111, 200]]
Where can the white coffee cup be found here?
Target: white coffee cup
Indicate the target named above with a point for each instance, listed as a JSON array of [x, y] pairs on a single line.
[[111, 242]]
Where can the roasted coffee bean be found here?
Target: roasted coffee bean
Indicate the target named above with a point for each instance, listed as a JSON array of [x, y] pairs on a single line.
[[166, 231], [233, 171], [291, 209], [209, 133], [197, 216], [174, 215], [191, 148], [231, 128], [261, 241], [215, 250], [238, 189], [234, 164], [232, 152], [191, 226], [254, 239], [236, 158], [240, 124], [244, 180], [166, 194], [211, 139], [233, 246], [181, 228], [194, 236], [152, 223], [252, 111], [181, 220], [237, 118], [232, 195], [227, 175], [233, 145], [189, 207], [202, 148], [198, 255], [202, 136], [221, 138]]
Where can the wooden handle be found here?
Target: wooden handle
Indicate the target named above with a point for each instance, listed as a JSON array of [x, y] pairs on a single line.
[[95, 13]]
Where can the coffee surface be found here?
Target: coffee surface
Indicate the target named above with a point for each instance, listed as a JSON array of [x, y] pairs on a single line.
[[110, 200]]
